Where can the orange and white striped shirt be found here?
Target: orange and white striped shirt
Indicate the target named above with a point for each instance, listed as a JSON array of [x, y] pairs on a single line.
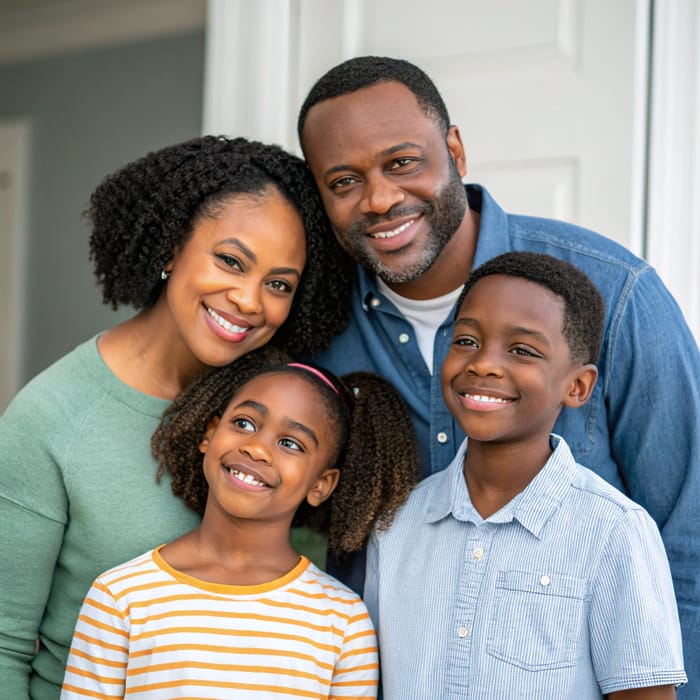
[[146, 630]]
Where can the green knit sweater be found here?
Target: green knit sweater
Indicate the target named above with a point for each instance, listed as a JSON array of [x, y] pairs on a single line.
[[78, 495]]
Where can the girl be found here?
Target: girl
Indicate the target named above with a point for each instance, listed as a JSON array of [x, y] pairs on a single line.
[[221, 245], [230, 609]]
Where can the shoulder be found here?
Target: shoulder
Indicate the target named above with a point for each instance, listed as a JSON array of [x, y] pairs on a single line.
[[322, 585]]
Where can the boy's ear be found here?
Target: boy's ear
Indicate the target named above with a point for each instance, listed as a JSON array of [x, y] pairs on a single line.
[[323, 487], [582, 382], [207, 436]]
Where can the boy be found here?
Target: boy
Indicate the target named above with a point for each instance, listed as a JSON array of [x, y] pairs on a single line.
[[515, 572]]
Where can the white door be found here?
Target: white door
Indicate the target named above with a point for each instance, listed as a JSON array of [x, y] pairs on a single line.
[[14, 144]]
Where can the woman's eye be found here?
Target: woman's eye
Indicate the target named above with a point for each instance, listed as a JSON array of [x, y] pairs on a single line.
[[230, 260], [244, 424], [291, 444], [281, 286]]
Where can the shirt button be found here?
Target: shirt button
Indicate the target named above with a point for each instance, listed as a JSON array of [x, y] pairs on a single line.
[[477, 552], [462, 632], [375, 302], [442, 438], [545, 580], [403, 338]]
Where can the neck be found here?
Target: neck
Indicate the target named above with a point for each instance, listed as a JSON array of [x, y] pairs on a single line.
[[147, 353], [497, 472]]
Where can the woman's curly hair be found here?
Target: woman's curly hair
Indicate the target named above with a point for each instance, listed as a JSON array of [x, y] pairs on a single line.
[[376, 453], [143, 213]]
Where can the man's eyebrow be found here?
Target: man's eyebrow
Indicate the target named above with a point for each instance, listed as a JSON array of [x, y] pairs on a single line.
[[386, 152]]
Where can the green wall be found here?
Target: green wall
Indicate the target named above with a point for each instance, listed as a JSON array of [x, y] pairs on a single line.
[[89, 113]]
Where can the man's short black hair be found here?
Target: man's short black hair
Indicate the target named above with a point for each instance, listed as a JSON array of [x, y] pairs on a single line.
[[584, 310], [365, 71]]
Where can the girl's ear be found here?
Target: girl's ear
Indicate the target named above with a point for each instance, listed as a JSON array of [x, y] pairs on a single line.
[[323, 487], [204, 444], [582, 382]]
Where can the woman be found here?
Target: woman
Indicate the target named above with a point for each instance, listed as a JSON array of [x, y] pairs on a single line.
[[222, 246]]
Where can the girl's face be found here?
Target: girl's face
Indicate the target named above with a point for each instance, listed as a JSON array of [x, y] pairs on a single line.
[[232, 283], [271, 449]]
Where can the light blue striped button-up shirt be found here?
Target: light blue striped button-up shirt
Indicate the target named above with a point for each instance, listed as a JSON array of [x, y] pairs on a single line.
[[564, 593]]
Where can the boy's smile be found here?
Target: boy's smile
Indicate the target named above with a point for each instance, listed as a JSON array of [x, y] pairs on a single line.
[[509, 368]]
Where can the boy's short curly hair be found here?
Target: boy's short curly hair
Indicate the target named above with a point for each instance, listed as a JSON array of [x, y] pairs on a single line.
[[143, 213], [365, 71], [584, 309]]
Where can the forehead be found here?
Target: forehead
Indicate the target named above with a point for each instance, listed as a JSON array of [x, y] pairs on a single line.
[[285, 394], [368, 120], [514, 301]]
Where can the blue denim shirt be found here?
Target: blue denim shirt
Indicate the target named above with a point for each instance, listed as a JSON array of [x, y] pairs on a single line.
[[549, 598], [641, 428]]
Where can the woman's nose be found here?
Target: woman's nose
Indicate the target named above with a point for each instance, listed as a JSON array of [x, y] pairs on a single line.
[[246, 298]]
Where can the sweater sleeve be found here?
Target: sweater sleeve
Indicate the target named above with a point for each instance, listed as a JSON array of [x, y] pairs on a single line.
[[97, 661], [33, 511], [356, 674]]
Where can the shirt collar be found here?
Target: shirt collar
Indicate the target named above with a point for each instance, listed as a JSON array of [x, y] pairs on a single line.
[[532, 508]]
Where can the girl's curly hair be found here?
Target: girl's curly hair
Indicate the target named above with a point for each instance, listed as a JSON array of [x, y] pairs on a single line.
[[143, 213], [376, 452]]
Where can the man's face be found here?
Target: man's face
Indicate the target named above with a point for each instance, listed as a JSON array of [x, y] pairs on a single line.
[[390, 180]]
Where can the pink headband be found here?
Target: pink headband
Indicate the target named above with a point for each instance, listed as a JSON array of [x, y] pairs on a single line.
[[313, 370]]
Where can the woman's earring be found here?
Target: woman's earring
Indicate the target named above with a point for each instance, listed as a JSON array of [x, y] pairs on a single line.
[[164, 275]]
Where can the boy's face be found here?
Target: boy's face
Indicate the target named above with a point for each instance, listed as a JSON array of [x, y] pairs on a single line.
[[508, 371]]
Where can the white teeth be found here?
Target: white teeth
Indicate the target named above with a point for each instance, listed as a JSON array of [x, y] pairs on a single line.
[[486, 399], [246, 478], [225, 324], [393, 232]]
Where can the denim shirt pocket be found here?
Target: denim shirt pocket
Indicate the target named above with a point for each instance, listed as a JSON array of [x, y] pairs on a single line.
[[537, 619]]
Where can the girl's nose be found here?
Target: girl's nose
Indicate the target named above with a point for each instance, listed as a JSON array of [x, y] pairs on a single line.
[[256, 449]]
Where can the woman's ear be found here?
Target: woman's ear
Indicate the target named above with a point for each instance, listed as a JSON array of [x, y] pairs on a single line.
[[204, 444], [323, 487], [582, 382]]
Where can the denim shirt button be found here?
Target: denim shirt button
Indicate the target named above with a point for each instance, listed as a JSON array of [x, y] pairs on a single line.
[[442, 438], [404, 338], [375, 302]]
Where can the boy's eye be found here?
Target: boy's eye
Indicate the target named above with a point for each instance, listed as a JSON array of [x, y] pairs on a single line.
[[244, 424], [291, 444], [525, 352], [465, 341]]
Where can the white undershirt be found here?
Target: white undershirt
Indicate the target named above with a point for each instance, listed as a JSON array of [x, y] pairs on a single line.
[[425, 315]]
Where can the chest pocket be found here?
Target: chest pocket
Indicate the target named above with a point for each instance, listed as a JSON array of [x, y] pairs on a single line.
[[537, 620]]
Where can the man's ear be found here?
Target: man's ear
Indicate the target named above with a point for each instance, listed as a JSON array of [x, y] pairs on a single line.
[[204, 444], [456, 149], [581, 387], [323, 487]]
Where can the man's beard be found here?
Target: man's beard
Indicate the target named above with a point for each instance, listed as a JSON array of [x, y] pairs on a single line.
[[443, 215]]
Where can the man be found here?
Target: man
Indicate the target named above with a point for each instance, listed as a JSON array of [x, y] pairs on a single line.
[[377, 137]]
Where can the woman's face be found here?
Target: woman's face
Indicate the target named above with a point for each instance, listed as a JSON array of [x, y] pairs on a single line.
[[232, 284]]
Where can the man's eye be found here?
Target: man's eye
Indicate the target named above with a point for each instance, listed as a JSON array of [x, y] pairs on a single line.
[[401, 162], [342, 182]]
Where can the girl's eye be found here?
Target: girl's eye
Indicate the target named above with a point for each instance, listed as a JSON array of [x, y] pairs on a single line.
[[230, 260], [291, 444], [281, 286], [244, 424]]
